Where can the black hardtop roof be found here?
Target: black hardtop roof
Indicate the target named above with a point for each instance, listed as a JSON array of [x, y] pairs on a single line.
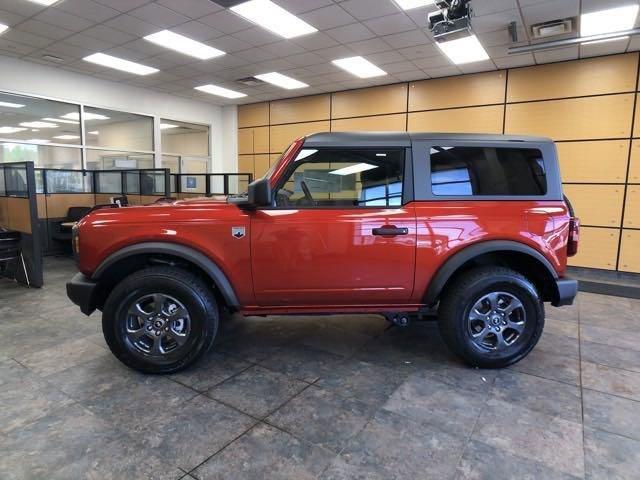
[[404, 139]]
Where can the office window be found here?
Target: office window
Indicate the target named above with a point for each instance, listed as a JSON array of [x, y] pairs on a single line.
[[117, 130], [38, 121], [467, 171], [343, 178], [43, 156], [184, 138], [116, 160]]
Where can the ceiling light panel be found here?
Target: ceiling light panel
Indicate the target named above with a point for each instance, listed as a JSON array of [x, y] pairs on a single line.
[[46, 3], [410, 4], [60, 120], [607, 21], [11, 129], [464, 50], [220, 91], [87, 116], [359, 66], [167, 126], [120, 64], [38, 125], [67, 137], [3, 27], [274, 18], [350, 170], [281, 80], [11, 105], [184, 45]]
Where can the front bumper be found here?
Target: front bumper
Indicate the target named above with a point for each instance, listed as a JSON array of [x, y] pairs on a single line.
[[567, 289], [83, 292]]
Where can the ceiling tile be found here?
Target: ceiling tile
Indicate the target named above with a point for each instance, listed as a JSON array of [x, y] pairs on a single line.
[[81, 40], [373, 45], [88, 10], [390, 24], [302, 6], [339, 51], [111, 35], [26, 38], [560, 54], [315, 41], [9, 18], [543, 12], [255, 55], [44, 29], [423, 51], [257, 36], [328, 17], [492, 39], [231, 44], [192, 8], [513, 61], [321, 68], [475, 67], [442, 71], [605, 48], [276, 65], [123, 5], [159, 15], [226, 22], [62, 19], [410, 75], [381, 58], [128, 53], [486, 7], [66, 51], [145, 47], [350, 33], [197, 31], [283, 48], [304, 59], [15, 49], [366, 9], [132, 25], [26, 9], [398, 67], [634, 44], [496, 21], [432, 62], [407, 39]]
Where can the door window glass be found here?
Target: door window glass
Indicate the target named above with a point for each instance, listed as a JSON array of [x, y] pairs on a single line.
[[344, 178]]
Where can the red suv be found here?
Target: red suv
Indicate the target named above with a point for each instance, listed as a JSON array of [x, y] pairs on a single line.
[[474, 227]]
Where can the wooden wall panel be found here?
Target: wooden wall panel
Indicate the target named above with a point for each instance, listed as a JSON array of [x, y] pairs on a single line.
[[597, 205], [465, 120], [58, 203], [634, 166], [598, 248], [632, 207], [467, 90], [301, 109], [603, 161], [105, 198], [19, 214], [370, 101], [245, 164], [387, 123], [588, 118], [261, 140], [4, 212], [245, 141], [274, 157], [593, 76], [283, 135], [630, 251], [261, 165], [254, 115]]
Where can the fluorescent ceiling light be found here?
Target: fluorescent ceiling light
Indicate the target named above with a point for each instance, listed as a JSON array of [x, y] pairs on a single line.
[[306, 152], [3, 27], [11, 129], [44, 2], [607, 21], [60, 120], [94, 132], [464, 50], [409, 4], [606, 40], [274, 18], [11, 105], [359, 167], [182, 44], [38, 125], [37, 140], [87, 116], [281, 80], [359, 66], [220, 91], [166, 126], [67, 137], [120, 64]]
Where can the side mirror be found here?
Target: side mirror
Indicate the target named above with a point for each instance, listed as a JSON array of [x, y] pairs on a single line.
[[260, 193]]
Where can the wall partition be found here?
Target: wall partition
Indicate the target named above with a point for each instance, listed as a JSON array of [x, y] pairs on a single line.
[[589, 107]]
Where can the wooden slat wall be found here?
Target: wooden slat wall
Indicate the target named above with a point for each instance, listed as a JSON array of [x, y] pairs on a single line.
[[587, 106]]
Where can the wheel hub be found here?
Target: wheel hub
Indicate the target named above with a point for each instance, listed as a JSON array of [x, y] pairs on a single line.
[[496, 320]]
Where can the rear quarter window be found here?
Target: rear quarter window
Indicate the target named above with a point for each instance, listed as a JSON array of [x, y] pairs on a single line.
[[482, 171]]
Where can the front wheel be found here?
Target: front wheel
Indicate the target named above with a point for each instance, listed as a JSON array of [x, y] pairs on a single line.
[[491, 317], [160, 320]]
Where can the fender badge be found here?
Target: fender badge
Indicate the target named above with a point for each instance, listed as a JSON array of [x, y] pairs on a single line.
[[237, 232]]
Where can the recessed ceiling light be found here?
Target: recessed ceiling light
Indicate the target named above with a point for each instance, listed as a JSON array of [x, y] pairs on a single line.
[[359, 66], [44, 2], [11, 129], [607, 21], [67, 137], [37, 140], [11, 105], [167, 126], [274, 18], [357, 168], [182, 44], [120, 64], [94, 132], [87, 116], [60, 120], [220, 91], [38, 125], [3, 27], [281, 80], [464, 50], [409, 4]]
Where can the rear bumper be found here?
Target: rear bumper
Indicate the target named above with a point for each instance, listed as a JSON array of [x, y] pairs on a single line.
[[82, 291], [567, 290]]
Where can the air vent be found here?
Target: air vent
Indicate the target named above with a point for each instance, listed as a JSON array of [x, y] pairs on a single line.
[[52, 58], [251, 82], [553, 28]]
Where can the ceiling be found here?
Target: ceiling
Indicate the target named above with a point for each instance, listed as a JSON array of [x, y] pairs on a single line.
[[395, 40]]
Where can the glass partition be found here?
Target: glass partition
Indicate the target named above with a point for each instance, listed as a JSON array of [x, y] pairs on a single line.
[[183, 138], [118, 130], [42, 156], [3, 190], [193, 184], [116, 160], [66, 181], [108, 182], [15, 181]]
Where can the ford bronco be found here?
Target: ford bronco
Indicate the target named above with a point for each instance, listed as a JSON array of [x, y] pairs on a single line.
[[472, 227]]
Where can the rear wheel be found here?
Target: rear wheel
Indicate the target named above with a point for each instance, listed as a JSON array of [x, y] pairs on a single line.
[[160, 320], [491, 317]]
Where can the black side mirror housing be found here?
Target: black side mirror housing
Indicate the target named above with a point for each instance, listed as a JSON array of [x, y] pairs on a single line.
[[260, 193]]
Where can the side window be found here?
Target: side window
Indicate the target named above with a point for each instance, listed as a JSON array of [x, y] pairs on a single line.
[[466, 171], [344, 178]]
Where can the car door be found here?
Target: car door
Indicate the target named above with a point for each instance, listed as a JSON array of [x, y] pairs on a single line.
[[340, 231]]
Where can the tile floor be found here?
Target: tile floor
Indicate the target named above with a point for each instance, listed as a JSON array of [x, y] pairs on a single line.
[[318, 397]]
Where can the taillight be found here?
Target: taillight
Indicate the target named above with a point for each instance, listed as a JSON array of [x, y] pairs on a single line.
[[574, 236]]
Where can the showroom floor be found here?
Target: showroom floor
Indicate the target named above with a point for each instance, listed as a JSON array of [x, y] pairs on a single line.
[[316, 397]]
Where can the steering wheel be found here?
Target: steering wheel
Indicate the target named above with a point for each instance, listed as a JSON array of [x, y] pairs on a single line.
[[307, 192]]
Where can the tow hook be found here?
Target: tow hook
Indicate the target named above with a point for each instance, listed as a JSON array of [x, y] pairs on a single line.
[[398, 319]]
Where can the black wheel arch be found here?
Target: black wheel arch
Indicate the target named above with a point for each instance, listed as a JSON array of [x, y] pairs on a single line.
[[135, 257], [518, 256]]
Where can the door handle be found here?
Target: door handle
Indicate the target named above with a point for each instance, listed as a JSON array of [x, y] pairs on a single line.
[[390, 231]]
